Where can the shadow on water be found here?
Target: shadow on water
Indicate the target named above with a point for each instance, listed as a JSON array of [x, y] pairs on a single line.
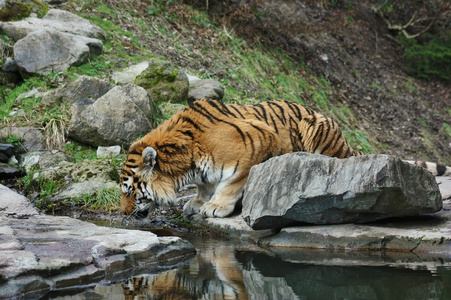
[[225, 270]]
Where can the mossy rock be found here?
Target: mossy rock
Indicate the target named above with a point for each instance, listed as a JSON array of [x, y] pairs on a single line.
[[14, 10], [164, 82]]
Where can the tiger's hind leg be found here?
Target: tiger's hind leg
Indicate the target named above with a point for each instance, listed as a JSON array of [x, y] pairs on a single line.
[[257, 143], [319, 134], [222, 204]]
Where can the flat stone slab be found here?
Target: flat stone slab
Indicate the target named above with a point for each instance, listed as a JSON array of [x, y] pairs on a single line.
[[428, 236], [66, 253]]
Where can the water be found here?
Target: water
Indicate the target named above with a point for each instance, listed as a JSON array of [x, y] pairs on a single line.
[[227, 270]]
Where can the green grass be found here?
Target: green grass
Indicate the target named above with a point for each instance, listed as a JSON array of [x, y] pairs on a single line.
[[108, 199], [446, 129], [33, 182], [80, 152], [358, 140]]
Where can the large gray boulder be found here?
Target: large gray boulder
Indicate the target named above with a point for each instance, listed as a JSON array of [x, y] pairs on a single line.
[[116, 118], [81, 92], [164, 82], [316, 189], [48, 50], [55, 19], [205, 88]]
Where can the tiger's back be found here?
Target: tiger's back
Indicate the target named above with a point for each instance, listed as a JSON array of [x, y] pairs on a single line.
[[298, 127]]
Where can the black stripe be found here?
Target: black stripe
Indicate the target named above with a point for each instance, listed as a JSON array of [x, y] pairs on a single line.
[[127, 172], [280, 116], [337, 139], [131, 166], [237, 129], [259, 129], [309, 111], [226, 108], [264, 112], [319, 131], [325, 134], [214, 105], [259, 116], [222, 172], [194, 124], [274, 124], [295, 110], [237, 110], [252, 143], [201, 110], [236, 167], [188, 133], [134, 151]]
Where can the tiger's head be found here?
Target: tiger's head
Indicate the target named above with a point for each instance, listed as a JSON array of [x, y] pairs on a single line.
[[155, 167], [143, 186]]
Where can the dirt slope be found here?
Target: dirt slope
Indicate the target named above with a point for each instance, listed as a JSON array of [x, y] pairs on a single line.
[[364, 65]]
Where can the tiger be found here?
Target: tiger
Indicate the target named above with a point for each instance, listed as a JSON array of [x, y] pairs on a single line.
[[214, 145]]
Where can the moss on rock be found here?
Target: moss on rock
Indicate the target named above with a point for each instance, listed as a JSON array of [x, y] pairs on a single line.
[[164, 82]]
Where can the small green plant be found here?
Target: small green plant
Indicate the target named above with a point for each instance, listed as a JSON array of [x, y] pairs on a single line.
[[108, 199], [13, 140], [411, 87], [33, 182], [80, 152], [431, 57], [446, 129], [358, 140], [376, 86]]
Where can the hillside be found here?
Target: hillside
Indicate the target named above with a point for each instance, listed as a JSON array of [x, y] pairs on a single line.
[[337, 58]]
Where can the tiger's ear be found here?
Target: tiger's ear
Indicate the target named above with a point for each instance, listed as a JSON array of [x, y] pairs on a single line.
[[149, 158]]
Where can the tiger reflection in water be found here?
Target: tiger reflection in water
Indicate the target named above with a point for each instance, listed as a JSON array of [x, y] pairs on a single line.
[[216, 274]]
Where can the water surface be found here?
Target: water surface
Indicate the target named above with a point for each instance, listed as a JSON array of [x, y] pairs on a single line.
[[228, 270]]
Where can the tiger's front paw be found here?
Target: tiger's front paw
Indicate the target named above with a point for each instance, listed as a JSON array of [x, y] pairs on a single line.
[[192, 207], [214, 210]]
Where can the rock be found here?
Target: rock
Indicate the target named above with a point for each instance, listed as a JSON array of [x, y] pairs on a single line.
[[192, 79], [44, 160], [78, 189], [9, 172], [80, 92], [12, 203], [317, 189], [444, 183], [34, 92], [41, 253], [11, 10], [47, 50], [31, 139], [10, 65], [205, 88], [83, 178], [164, 82], [3, 158], [7, 149], [118, 117], [428, 235], [128, 75], [108, 151], [55, 19]]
